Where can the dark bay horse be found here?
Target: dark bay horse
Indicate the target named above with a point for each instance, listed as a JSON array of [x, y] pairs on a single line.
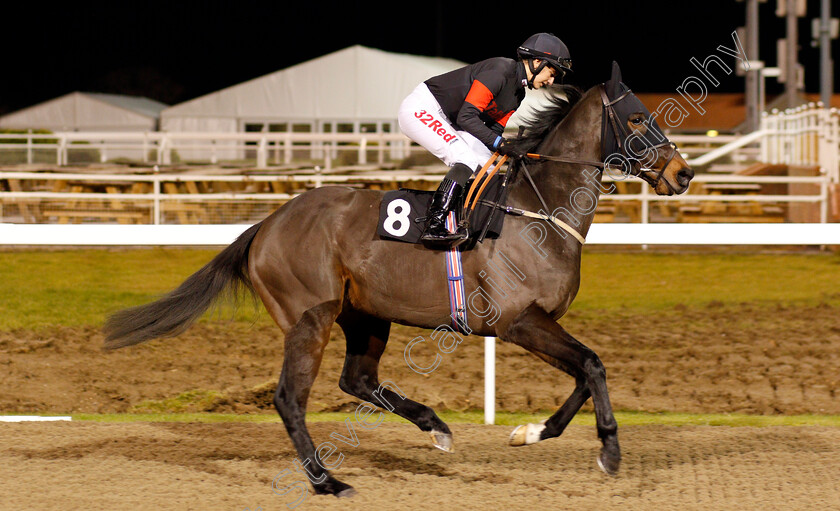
[[317, 260]]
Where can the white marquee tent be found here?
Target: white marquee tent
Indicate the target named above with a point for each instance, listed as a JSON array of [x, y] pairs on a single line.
[[88, 111], [353, 86]]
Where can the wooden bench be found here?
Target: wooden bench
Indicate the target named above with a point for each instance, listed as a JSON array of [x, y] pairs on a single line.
[[186, 212], [29, 208], [697, 214], [110, 207], [604, 214], [124, 217]]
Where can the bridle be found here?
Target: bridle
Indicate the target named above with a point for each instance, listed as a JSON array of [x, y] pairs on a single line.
[[620, 135]]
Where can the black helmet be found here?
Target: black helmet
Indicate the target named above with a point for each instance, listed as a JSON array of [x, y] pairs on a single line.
[[549, 49]]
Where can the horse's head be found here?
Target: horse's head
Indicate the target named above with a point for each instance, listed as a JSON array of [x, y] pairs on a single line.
[[633, 142]]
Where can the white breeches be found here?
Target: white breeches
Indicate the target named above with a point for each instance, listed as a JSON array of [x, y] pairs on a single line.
[[422, 120]]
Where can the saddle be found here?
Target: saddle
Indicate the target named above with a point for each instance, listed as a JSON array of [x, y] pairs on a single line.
[[402, 214]]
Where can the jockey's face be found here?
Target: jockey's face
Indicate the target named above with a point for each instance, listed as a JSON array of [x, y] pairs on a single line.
[[544, 77]]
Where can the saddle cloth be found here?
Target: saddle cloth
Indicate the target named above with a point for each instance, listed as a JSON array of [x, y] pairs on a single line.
[[402, 214]]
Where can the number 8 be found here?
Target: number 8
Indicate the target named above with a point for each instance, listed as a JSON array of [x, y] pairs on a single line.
[[394, 216]]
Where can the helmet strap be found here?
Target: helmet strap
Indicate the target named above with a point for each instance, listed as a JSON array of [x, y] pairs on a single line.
[[535, 71]]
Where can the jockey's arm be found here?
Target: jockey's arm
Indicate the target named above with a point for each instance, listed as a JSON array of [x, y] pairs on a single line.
[[478, 99]]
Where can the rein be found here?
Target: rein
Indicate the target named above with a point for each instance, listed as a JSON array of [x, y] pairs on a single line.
[[543, 215], [618, 132], [620, 135]]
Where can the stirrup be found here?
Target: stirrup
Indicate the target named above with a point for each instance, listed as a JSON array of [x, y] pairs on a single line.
[[452, 239], [439, 235]]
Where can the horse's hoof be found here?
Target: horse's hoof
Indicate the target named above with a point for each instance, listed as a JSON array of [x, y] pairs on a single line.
[[347, 492], [526, 434], [442, 441], [608, 462], [333, 486]]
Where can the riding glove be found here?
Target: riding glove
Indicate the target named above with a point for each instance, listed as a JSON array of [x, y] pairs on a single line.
[[509, 148]]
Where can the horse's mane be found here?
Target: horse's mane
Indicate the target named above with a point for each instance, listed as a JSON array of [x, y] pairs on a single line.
[[539, 122]]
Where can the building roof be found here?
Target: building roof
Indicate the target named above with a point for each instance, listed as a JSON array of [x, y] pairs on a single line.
[[138, 104], [87, 111]]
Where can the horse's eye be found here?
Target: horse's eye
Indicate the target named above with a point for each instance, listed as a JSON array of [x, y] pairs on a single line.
[[637, 120]]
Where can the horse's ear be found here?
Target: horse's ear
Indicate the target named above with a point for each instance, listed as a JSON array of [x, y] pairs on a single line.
[[613, 86], [615, 77], [615, 80]]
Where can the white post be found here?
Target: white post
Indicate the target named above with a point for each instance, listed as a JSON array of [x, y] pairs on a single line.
[[813, 136], [363, 151], [824, 199], [29, 147], [156, 195], [161, 149], [834, 137], [489, 380], [287, 147], [762, 144], [778, 144], [262, 154], [317, 179], [61, 152], [796, 137], [785, 148], [380, 144], [168, 142]]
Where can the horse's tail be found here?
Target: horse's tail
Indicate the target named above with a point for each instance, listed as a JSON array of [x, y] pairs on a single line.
[[176, 311]]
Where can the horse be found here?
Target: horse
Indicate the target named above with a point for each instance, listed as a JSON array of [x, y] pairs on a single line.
[[317, 260]]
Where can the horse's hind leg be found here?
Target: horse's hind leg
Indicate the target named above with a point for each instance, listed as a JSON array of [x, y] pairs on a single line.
[[366, 340], [536, 331], [304, 348]]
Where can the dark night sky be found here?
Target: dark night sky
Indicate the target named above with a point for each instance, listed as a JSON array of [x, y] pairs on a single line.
[[176, 51]]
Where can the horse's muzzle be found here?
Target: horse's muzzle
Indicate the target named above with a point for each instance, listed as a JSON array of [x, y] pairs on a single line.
[[684, 176]]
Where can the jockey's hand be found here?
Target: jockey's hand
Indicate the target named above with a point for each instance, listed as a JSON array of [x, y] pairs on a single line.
[[506, 147]]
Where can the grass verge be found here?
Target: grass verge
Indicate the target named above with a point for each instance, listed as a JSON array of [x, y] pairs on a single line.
[[81, 287]]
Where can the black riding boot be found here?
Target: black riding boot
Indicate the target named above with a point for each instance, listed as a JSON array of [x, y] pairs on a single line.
[[443, 201]]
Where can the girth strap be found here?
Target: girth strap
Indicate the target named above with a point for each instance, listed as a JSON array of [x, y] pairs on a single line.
[[455, 281]]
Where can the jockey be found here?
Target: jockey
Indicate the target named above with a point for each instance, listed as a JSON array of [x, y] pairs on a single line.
[[460, 117]]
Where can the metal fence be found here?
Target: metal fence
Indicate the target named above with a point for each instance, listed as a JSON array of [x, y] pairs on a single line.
[[260, 150], [807, 135], [56, 197], [295, 162]]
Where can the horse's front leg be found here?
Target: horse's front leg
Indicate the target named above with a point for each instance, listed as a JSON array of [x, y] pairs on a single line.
[[536, 331], [556, 424]]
